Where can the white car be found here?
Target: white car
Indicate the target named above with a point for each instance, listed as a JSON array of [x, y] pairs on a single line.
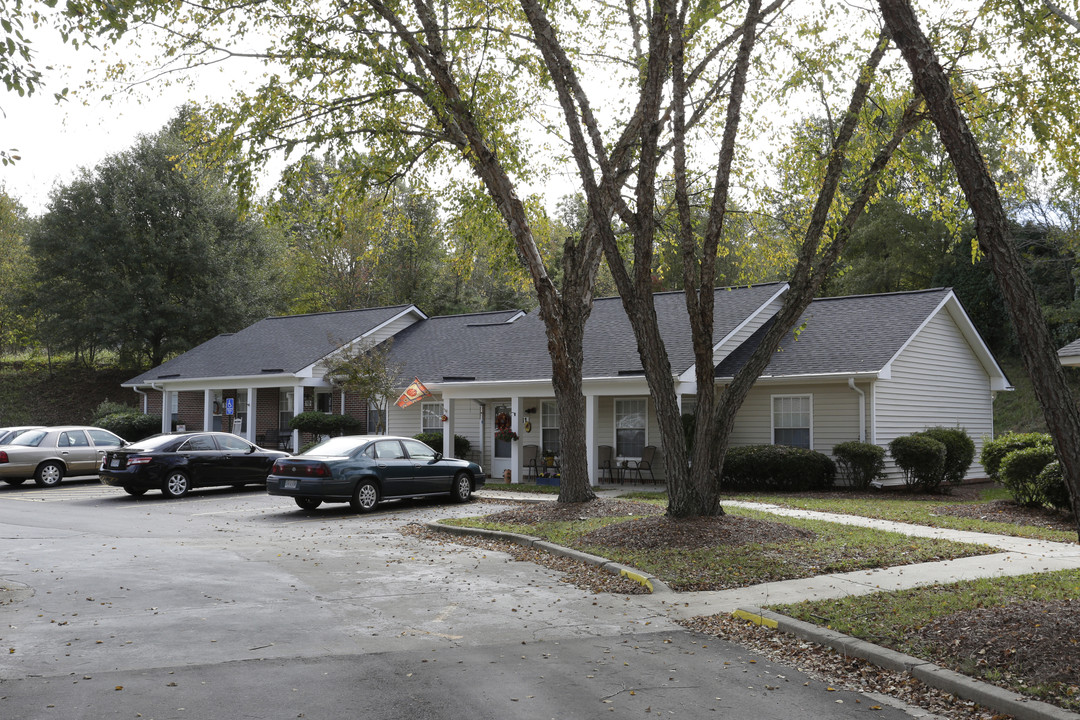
[[7, 434], [48, 454]]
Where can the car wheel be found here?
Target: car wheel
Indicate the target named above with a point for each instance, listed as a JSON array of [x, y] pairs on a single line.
[[14, 481], [308, 503], [136, 491], [176, 484], [462, 489], [49, 474], [366, 497]]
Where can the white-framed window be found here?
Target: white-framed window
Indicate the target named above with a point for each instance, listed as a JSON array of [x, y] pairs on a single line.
[[285, 408], [322, 400], [630, 426], [549, 427], [431, 417], [792, 420]]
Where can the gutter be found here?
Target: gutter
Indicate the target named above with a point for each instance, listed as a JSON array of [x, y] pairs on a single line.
[[862, 409]]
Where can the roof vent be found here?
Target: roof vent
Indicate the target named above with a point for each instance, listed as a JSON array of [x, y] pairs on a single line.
[[458, 378], [623, 373], [273, 370], [164, 377]]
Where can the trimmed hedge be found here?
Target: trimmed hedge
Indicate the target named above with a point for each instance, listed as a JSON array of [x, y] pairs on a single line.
[[1051, 485], [462, 446], [777, 467], [320, 423], [994, 451], [860, 463], [131, 425], [1020, 470], [921, 458], [959, 451]]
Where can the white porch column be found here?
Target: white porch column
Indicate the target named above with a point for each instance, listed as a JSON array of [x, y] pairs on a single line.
[[166, 411], [251, 408], [208, 410], [448, 428], [298, 407], [515, 447], [592, 411]]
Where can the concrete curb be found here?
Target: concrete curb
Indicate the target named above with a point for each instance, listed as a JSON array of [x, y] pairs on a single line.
[[987, 695], [655, 586]]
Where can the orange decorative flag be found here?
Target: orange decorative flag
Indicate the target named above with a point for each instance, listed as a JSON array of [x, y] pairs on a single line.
[[414, 392]]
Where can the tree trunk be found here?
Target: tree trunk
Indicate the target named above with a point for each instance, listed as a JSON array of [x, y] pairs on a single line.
[[991, 227]]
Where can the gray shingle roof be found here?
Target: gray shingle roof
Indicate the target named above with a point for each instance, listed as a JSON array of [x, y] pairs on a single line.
[[471, 347], [1070, 350], [282, 344], [859, 333]]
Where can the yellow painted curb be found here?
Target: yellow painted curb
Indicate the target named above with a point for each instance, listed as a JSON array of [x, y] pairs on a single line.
[[640, 579], [756, 619]]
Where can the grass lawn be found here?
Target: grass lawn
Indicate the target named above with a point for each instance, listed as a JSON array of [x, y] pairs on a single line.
[[1017, 632], [829, 548]]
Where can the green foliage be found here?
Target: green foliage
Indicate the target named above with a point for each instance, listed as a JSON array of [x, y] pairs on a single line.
[[131, 424], [320, 423], [859, 463], [921, 458], [16, 267], [776, 467], [366, 371], [110, 407], [994, 451], [148, 255], [1052, 488], [1020, 471], [959, 452], [462, 446]]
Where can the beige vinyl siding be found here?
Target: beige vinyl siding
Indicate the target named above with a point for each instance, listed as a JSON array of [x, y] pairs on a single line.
[[467, 424], [404, 421], [936, 380], [835, 414]]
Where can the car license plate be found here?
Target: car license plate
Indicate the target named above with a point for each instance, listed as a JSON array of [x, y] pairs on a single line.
[[290, 484], [115, 462]]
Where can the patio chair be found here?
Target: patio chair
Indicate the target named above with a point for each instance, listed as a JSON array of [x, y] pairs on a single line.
[[606, 461], [530, 459], [645, 463]]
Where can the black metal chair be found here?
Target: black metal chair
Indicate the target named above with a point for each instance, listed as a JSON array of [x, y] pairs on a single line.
[[645, 463], [606, 462], [530, 459]]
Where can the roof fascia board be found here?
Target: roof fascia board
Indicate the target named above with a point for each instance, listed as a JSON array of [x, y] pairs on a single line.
[[226, 383], [309, 371], [811, 377], [688, 374]]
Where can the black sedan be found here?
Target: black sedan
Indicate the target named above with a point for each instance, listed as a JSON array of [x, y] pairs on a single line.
[[364, 469], [176, 463]]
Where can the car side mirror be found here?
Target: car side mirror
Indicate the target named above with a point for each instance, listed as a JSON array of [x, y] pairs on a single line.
[[438, 456], [251, 449]]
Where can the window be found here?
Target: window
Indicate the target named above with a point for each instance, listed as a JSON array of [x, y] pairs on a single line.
[[431, 417], [322, 400], [791, 420], [549, 427], [389, 450], [418, 450], [198, 443], [285, 408], [103, 438], [630, 427], [231, 442], [74, 438]]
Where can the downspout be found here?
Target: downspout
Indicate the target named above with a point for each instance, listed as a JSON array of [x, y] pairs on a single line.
[[483, 409], [145, 400], [862, 409]]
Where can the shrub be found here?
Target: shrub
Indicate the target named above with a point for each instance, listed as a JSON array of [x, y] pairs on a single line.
[[860, 463], [959, 451], [994, 451], [1019, 472], [462, 446], [1051, 485], [131, 424], [320, 423], [109, 407], [777, 467], [922, 460]]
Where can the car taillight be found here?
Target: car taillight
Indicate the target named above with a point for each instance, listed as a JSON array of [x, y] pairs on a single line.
[[277, 469], [315, 469], [138, 460], [3, 456]]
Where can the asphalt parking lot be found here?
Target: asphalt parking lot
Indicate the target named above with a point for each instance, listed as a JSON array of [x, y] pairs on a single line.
[[236, 604]]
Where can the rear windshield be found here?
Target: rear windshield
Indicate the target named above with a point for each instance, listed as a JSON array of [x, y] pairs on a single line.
[[333, 447], [30, 438], [157, 442]]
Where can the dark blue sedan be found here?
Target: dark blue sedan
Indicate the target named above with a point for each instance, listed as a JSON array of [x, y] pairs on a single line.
[[364, 469]]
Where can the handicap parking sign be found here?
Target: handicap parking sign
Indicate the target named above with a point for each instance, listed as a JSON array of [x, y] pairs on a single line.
[[229, 405]]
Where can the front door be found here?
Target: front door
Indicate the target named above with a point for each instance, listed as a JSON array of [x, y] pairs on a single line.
[[500, 461]]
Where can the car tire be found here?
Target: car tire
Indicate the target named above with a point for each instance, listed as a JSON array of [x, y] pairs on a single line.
[[176, 484], [462, 487], [14, 481], [49, 474], [308, 503], [365, 497], [136, 491]]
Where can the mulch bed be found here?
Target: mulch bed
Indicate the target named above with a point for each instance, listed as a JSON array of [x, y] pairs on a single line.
[[1006, 511]]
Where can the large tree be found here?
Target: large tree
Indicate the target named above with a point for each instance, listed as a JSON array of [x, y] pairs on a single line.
[[149, 254], [16, 267], [992, 228]]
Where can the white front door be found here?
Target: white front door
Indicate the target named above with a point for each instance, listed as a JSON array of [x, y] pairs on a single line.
[[500, 460]]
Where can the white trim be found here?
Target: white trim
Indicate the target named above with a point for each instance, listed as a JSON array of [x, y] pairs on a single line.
[[309, 370], [772, 414], [443, 411]]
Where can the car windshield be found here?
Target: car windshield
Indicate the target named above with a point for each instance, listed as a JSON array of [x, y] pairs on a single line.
[[335, 446], [157, 442], [30, 438]]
